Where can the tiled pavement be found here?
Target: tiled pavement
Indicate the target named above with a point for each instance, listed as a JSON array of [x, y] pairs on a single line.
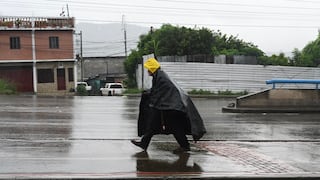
[[247, 157]]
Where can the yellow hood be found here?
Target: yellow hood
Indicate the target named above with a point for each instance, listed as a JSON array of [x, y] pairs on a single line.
[[152, 65]]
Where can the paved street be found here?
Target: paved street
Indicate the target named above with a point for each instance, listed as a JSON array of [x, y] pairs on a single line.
[[88, 137]]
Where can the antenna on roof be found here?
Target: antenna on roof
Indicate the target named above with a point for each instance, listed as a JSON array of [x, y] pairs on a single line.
[[68, 10], [62, 14]]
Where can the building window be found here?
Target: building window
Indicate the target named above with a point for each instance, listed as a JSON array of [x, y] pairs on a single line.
[[45, 76], [14, 42], [54, 42], [70, 74]]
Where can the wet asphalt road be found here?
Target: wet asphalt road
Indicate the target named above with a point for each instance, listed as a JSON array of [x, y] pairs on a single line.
[[88, 137]]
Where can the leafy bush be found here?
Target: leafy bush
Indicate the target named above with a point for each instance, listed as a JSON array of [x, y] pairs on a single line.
[[7, 87], [81, 91]]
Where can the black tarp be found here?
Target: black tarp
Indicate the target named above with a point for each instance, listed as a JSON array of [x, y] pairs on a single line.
[[164, 95]]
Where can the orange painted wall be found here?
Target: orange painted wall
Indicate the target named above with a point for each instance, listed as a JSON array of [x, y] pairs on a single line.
[[25, 53], [65, 50], [43, 51]]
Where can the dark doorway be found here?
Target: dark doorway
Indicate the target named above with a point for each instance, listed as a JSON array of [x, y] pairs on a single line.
[[61, 79]]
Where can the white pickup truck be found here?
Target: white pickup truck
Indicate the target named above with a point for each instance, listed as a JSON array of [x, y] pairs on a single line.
[[112, 89]]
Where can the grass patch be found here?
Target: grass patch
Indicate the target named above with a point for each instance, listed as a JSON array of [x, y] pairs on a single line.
[[194, 92], [222, 93], [200, 92], [132, 91]]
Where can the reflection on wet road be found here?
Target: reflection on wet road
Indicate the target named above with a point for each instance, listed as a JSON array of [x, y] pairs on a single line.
[[115, 118], [145, 164], [90, 135]]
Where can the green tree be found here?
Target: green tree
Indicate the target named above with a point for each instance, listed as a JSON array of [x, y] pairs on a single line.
[[130, 66], [232, 45], [170, 40], [280, 60], [296, 59], [309, 56], [173, 40], [311, 53], [201, 42], [146, 44]]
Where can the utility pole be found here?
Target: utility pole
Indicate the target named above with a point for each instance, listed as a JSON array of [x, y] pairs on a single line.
[[125, 35], [34, 58], [80, 56]]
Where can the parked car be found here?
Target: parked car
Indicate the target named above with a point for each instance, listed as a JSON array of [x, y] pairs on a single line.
[[85, 84], [112, 89]]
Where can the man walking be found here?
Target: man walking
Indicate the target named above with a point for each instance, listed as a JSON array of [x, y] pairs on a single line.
[[166, 109]]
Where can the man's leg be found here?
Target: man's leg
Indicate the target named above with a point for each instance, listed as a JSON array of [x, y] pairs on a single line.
[[178, 125], [182, 139], [145, 140], [152, 129]]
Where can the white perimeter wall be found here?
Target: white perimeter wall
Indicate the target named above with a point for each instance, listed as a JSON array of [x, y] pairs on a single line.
[[233, 77]]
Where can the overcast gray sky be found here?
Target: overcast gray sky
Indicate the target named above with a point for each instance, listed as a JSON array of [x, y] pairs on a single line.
[[273, 25]]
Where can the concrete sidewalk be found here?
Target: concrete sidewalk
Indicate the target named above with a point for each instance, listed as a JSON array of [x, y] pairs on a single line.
[[118, 159]]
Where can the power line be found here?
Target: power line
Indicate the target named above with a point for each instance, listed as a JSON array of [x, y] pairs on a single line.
[[175, 9], [185, 12], [241, 5], [99, 5], [301, 11], [210, 25], [305, 1]]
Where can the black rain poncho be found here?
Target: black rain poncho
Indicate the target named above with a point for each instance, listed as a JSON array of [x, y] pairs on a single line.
[[166, 95]]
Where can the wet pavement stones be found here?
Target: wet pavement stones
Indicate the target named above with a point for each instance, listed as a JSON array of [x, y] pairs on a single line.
[[261, 163]]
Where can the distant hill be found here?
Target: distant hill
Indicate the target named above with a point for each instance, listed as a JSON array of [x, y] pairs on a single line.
[[100, 40]]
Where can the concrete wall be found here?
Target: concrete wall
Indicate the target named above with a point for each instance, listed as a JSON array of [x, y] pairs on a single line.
[[277, 98], [172, 59], [245, 60], [94, 66], [233, 77], [221, 59]]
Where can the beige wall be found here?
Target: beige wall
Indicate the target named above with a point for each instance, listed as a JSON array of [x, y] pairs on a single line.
[[281, 98], [52, 88]]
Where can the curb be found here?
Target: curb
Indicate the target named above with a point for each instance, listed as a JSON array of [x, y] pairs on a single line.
[[270, 110]]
